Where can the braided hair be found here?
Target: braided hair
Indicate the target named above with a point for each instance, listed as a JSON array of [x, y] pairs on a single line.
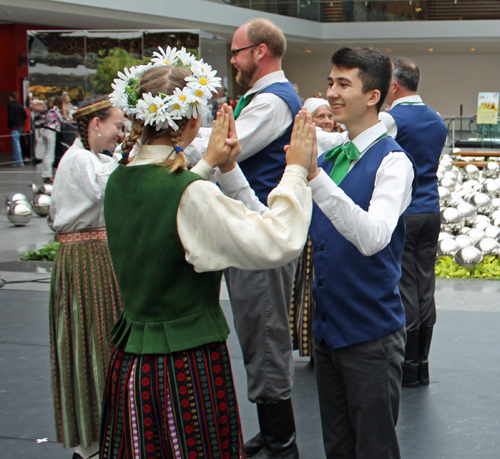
[[84, 121], [161, 79]]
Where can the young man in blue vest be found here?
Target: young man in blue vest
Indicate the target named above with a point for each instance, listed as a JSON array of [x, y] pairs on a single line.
[[361, 191], [422, 133], [260, 300]]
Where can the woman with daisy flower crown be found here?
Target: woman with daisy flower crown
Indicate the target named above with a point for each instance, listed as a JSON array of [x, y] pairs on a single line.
[[170, 390]]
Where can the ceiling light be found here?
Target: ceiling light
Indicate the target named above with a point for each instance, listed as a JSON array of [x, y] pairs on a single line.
[[308, 51], [430, 49], [388, 50], [472, 49]]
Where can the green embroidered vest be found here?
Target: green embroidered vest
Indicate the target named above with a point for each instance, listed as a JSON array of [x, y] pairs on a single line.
[[167, 306]]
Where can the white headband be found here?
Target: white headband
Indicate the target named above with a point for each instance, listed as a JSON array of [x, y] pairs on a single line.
[[313, 103]]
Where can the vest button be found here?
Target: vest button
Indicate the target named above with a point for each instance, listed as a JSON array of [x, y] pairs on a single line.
[[320, 283], [322, 247]]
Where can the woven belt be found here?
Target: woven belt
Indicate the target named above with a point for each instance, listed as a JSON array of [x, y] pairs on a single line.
[[71, 237]]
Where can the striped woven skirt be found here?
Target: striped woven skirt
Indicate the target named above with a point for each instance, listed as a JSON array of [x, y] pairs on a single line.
[[302, 304], [84, 305], [177, 406]]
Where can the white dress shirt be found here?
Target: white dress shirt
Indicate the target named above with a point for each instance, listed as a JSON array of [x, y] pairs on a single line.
[[218, 232], [387, 118], [370, 231], [262, 121], [329, 140], [78, 192]]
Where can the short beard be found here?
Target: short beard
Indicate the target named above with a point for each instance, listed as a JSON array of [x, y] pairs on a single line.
[[245, 76]]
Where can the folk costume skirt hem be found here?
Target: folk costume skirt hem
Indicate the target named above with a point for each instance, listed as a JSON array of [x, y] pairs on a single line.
[[84, 305], [177, 406]]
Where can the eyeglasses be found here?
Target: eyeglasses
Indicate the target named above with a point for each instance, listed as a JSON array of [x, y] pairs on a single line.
[[234, 52]]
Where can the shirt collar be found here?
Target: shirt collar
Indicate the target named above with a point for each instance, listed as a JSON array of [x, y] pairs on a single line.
[[415, 99], [368, 137], [266, 80], [154, 154]]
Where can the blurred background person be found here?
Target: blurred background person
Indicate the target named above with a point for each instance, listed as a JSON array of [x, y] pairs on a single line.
[[322, 116], [16, 115], [46, 141]]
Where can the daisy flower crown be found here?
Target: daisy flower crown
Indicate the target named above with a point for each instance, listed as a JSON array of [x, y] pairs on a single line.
[[162, 110]]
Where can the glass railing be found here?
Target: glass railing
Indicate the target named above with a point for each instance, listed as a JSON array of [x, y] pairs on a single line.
[[375, 10]]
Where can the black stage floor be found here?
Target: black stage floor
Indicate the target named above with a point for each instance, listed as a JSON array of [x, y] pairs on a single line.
[[457, 416]]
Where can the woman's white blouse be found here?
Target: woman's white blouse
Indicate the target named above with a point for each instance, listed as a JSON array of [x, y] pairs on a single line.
[[78, 191]]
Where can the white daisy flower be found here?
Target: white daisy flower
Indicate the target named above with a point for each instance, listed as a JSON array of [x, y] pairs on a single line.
[[165, 57], [168, 122], [199, 93], [150, 109], [186, 58], [204, 76]]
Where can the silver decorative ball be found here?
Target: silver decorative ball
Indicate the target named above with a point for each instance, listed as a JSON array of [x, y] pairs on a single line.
[[468, 211], [464, 241], [481, 225], [495, 202], [476, 234], [468, 257], [491, 169], [464, 230], [492, 232], [455, 199], [19, 213], [445, 235], [15, 197], [470, 172], [447, 247], [451, 220], [482, 202], [35, 189], [451, 175], [495, 214], [488, 246], [46, 189], [446, 163], [491, 188], [444, 196], [41, 204], [448, 183]]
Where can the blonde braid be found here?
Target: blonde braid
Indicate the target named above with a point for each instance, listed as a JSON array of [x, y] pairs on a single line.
[[180, 161]]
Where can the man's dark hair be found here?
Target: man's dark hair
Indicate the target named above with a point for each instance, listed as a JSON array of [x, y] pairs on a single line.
[[14, 95], [406, 73], [375, 68]]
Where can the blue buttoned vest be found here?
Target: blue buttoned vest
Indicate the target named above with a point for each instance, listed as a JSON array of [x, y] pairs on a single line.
[[357, 297], [422, 133], [264, 169]]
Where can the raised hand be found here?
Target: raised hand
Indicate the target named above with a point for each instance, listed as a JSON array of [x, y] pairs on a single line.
[[300, 150], [218, 151], [232, 141]]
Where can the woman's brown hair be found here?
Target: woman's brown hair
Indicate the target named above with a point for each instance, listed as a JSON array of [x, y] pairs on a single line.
[[84, 120], [162, 79]]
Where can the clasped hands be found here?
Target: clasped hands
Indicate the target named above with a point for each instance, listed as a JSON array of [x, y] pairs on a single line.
[[303, 148], [223, 148]]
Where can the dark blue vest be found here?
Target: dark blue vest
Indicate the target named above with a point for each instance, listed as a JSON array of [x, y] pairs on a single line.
[[264, 169], [422, 133], [357, 297]]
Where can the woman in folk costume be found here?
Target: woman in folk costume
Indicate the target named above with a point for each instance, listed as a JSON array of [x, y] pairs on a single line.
[[84, 298], [170, 390]]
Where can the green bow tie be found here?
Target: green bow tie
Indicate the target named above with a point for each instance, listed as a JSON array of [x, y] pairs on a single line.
[[341, 158], [242, 103]]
